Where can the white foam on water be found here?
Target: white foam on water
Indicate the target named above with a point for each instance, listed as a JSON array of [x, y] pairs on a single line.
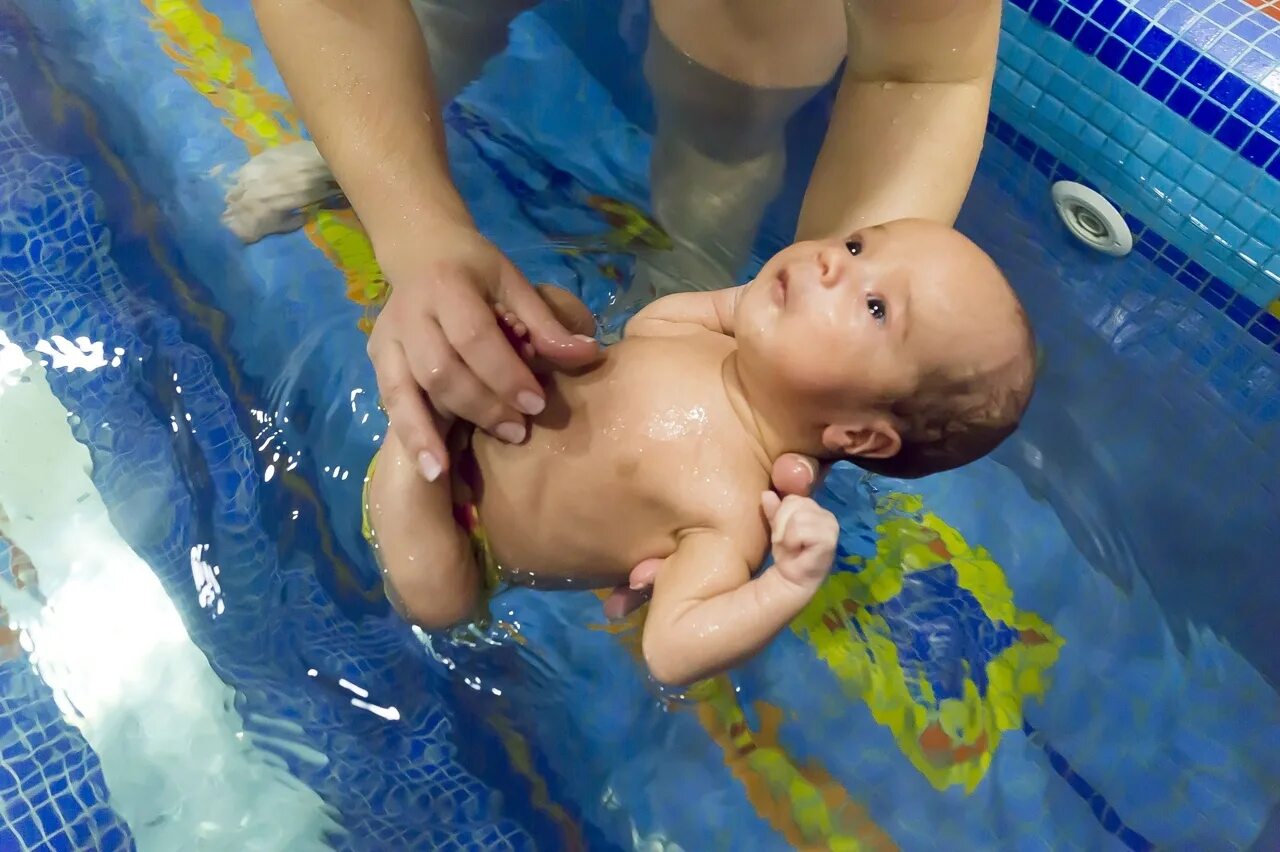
[[102, 633]]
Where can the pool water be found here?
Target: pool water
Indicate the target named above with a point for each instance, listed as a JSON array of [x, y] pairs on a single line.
[[1065, 646]]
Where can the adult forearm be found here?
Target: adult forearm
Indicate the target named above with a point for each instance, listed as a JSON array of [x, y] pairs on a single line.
[[895, 150], [361, 78]]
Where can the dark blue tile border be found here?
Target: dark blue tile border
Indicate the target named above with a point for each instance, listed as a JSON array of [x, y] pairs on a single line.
[[1240, 115], [1098, 804], [1218, 294]]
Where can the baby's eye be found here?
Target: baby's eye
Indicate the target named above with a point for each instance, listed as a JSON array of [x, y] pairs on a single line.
[[854, 247], [877, 308]]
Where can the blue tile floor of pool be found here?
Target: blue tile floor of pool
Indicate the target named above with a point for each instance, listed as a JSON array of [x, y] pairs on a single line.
[[1140, 739]]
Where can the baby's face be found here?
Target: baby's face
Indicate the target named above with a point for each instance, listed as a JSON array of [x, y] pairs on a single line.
[[865, 319]]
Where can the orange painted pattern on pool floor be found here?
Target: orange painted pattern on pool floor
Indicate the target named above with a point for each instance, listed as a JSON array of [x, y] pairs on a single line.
[[803, 803], [1270, 8]]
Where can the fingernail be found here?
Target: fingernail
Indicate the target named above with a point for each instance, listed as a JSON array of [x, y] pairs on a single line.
[[429, 466], [530, 403], [584, 338], [512, 433]]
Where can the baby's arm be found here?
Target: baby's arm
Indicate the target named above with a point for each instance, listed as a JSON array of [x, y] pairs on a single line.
[[712, 310], [708, 614]]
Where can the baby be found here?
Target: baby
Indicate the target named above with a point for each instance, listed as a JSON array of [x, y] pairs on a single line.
[[902, 349]]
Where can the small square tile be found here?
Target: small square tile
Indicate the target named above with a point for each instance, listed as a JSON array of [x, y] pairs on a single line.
[[1204, 73], [1270, 42], [1231, 235], [1044, 10], [1255, 65], [1131, 26], [1202, 32], [1248, 29], [1259, 149], [1175, 18], [1229, 90], [1113, 52], [1223, 14], [1184, 100], [1067, 23], [1256, 105], [1208, 116], [1154, 42], [1207, 219], [1271, 124], [1183, 202], [1176, 254], [1107, 12], [1135, 68], [1150, 148], [1215, 299], [1262, 335], [1175, 164], [1227, 49], [1090, 37], [1159, 84], [1268, 231], [1240, 310], [1232, 132], [1254, 252], [1180, 57]]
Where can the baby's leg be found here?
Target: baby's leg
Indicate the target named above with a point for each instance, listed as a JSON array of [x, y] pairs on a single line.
[[427, 564]]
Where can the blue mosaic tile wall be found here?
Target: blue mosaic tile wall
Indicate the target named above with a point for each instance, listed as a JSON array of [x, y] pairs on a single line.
[[1173, 111]]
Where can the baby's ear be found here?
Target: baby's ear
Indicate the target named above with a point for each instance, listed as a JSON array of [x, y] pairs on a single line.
[[875, 438]]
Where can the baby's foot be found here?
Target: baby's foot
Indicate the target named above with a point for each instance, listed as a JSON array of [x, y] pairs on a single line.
[[274, 188], [516, 331]]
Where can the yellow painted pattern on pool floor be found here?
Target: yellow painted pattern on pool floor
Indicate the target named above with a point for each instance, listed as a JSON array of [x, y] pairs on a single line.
[[216, 66], [953, 740]]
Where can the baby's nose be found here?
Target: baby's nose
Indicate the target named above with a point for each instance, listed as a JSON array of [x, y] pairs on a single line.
[[832, 263]]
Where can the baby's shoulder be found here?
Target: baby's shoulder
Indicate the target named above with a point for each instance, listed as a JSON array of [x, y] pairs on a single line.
[[725, 498]]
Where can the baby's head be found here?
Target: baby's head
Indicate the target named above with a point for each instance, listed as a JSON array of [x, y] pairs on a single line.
[[902, 347]]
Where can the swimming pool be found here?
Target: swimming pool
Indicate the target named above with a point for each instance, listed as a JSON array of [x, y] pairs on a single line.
[[205, 657]]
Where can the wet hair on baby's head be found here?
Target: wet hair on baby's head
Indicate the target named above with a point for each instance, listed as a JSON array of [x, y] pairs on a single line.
[[952, 420]]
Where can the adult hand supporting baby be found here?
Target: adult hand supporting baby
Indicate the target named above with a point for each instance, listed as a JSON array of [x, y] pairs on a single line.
[[437, 336], [375, 117]]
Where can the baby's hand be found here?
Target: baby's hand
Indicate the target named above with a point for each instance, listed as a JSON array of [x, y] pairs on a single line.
[[804, 538]]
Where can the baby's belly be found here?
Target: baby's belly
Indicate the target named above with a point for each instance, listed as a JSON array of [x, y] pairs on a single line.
[[562, 522]]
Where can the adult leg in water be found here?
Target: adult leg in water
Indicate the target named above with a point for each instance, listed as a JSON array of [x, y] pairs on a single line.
[[726, 76]]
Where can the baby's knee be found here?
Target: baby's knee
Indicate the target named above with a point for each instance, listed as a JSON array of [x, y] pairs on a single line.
[[433, 609]]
